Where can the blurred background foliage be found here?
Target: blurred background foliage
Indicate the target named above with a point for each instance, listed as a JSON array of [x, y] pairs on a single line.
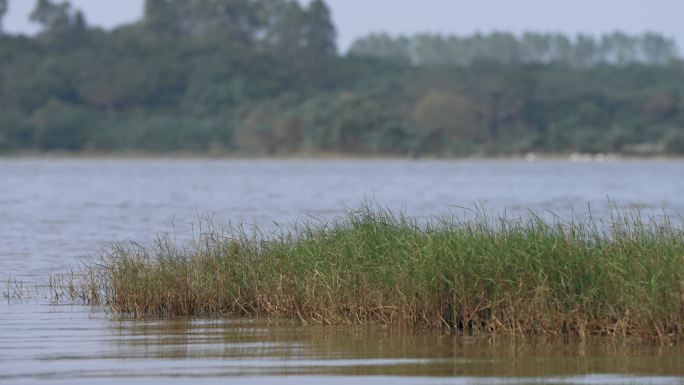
[[265, 78]]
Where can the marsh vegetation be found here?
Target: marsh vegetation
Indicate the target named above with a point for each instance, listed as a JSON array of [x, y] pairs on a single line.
[[481, 275]]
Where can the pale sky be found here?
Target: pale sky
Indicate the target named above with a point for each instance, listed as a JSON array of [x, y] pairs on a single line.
[[355, 18]]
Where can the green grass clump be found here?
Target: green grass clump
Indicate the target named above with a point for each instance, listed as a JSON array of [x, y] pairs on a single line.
[[524, 276]]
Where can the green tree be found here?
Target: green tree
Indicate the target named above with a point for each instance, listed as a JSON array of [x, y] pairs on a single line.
[[320, 31], [501, 97], [535, 48], [62, 25], [287, 34], [319, 48], [658, 49], [620, 48], [383, 46], [443, 118], [4, 7], [584, 53], [263, 76], [52, 17], [162, 17], [236, 21]]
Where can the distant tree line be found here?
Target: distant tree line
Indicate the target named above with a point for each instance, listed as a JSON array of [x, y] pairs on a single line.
[[530, 48], [264, 77]]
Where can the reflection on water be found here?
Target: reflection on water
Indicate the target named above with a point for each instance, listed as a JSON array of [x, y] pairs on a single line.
[[70, 344], [54, 212]]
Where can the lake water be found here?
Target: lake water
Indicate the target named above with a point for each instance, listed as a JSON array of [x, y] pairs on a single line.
[[55, 213]]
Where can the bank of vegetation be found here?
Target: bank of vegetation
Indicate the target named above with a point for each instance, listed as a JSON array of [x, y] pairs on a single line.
[[521, 276], [265, 77]]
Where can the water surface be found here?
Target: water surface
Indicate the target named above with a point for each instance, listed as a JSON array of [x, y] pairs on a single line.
[[55, 213]]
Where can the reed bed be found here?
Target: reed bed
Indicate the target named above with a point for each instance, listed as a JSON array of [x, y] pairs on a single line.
[[522, 276]]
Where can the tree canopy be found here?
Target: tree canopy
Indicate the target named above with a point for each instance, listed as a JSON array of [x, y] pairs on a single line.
[[264, 77], [530, 48], [4, 7]]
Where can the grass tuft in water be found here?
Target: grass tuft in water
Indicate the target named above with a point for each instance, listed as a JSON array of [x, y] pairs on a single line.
[[523, 276]]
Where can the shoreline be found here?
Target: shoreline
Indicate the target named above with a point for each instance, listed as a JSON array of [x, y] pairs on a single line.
[[529, 157]]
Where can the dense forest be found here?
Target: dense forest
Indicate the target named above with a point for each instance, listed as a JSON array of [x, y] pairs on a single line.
[[264, 77]]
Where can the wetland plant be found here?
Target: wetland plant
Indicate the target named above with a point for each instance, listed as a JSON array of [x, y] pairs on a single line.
[[522, 276]]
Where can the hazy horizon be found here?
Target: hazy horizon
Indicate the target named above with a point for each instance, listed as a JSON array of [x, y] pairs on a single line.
[[356, 18]]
